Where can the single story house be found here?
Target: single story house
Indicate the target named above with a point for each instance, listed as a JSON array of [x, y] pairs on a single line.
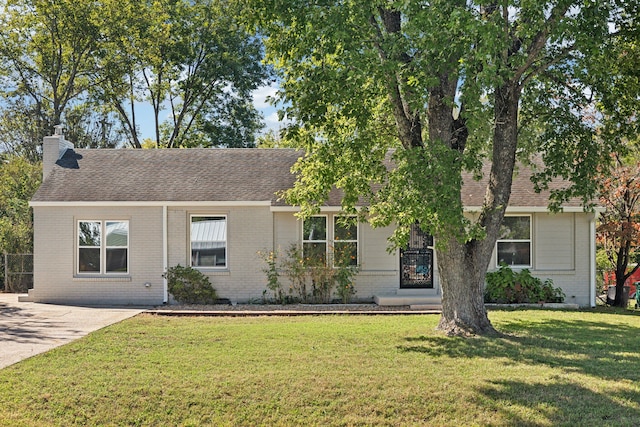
[[108, 223]]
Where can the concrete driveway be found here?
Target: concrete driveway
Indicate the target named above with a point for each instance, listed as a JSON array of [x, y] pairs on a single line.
[[28, 328]]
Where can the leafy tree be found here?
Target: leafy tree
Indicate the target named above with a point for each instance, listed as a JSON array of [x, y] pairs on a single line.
[[89, 65], [192, 62], [436, 88], [19, 179], [21, 129], [272, 139], [619, 103], [47, 64], [619, 229]]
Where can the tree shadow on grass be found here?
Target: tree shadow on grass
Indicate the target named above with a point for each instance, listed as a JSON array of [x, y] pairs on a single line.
[[557, 403], [605, 350]]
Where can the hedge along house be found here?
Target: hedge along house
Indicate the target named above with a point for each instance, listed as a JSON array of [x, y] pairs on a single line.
[[108, 223]]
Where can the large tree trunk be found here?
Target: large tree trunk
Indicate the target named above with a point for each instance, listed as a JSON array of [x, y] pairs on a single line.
[[463, 266], [462, 275], [622, 263]]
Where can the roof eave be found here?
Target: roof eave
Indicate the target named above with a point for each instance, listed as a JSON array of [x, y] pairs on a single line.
[[151, 203], [536, 209]]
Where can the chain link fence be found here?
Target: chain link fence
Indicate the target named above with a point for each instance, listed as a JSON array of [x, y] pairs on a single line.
[[17, 272]]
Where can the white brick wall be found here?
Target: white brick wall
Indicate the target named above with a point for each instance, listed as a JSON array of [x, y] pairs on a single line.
[[249, 230], [55, 253]]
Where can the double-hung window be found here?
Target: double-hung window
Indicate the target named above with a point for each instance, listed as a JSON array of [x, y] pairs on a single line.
[[340, 242], [345, 241], [209, 241], [314, 239], [514, 241], [103, 247]]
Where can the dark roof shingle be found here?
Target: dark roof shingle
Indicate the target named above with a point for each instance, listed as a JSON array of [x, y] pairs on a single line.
[[169, 175], [210, 175]]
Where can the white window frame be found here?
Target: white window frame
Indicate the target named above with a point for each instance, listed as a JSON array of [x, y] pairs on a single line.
[[226, 242], [103, 248], [326, 237], [529, 240], [330, 237], [336, 218]]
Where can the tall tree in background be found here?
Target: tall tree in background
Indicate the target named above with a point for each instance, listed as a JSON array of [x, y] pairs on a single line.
[[447, 85], [47, 67], [191, 62], [19, 180], [618, 69], [619, 229], [90, 65]]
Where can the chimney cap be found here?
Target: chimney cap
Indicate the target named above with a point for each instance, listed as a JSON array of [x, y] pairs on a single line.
[[57, 130]]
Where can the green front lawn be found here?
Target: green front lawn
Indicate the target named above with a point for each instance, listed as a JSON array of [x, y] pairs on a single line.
[[551, 368]]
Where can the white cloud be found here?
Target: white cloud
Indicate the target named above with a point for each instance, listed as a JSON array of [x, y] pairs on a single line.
[[271, 120], [261, 94], [269, 111]]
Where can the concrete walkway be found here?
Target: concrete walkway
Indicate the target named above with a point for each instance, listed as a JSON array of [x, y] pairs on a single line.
[[28, 328]]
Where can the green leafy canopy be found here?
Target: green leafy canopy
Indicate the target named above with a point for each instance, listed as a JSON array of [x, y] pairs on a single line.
[[352, 71]]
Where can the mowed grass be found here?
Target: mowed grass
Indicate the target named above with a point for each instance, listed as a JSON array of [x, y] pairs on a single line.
[[550, 368]]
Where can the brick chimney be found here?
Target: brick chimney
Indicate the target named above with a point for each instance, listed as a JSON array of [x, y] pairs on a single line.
[[53, 148]]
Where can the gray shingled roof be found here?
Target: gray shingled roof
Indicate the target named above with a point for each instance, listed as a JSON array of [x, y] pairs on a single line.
[[200, 175], [189, 175], [522, 192]]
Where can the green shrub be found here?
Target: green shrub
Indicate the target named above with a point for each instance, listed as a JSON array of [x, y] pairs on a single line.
[[189, 286], [311, 280], [505, 286], [295, 270], [549, 293], [273, 277], [344, 276]]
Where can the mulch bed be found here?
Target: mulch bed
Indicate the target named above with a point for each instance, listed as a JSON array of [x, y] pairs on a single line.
[[282, 310]]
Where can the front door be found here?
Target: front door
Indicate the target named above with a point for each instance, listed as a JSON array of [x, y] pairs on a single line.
[[416, 261]]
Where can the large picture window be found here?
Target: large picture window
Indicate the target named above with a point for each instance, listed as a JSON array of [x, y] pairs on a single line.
[[103, 247], [209, 241], [514, 241]]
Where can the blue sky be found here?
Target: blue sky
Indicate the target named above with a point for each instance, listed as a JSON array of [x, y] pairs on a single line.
[[269, 112]]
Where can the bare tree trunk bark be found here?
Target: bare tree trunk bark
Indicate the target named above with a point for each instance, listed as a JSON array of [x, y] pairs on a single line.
[[463, 266], [462, 281]]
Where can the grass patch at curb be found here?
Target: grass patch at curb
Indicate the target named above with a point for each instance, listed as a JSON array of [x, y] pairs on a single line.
[[550, 368]]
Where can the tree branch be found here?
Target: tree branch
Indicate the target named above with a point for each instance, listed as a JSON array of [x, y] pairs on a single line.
[[408, 123], [540, 40]]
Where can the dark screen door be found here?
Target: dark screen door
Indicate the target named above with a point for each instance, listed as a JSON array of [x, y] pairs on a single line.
[[416, 261]]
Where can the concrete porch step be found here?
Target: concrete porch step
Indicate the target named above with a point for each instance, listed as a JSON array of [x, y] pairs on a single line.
[[24, 298], [428, 301], [426, 307]]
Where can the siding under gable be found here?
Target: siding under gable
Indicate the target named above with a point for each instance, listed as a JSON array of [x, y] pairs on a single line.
[[554, 241], [287, 230]]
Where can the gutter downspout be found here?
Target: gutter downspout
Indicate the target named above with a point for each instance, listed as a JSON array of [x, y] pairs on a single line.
[[165, 254], [592, 260]]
